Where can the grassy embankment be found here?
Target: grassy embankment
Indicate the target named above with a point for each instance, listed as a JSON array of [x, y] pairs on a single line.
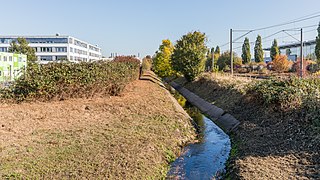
[[130, 136], [278, 137]]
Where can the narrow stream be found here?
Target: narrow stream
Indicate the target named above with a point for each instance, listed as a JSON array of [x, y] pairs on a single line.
[[206, 158]]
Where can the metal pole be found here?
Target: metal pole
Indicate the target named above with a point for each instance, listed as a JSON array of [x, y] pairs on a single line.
[[301, 56], [231, 54]]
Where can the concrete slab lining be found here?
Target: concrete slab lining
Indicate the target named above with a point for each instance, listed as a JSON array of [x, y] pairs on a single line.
[[226, 121]]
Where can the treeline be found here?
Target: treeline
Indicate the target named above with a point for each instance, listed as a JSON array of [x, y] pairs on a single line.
[[190, 56]]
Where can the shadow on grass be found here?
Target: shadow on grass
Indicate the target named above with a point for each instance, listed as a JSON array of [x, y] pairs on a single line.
[[264, 131]]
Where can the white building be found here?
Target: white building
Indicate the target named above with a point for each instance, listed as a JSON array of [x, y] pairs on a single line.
[[56, 48]]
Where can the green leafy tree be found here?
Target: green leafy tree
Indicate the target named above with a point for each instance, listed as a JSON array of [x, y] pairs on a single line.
[[224, 61], [274, 50], [189, 55], [217, 53], [212, 51], [22, 47], [317, 48], [246, 55], [162, 64], [208, 54], [258, 51]]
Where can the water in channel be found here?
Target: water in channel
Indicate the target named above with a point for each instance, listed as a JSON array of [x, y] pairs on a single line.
[[206, 158]]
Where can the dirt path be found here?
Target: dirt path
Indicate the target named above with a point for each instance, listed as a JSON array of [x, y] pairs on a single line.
[[131, 136]]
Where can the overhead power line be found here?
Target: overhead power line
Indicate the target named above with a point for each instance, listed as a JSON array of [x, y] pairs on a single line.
[[273, 34], [282, 24], [303, 18]]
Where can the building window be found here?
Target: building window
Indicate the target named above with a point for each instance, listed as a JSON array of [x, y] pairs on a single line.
[[81, 44], [5, 58], [61, 58], [45, 58], [71, 49], [61, 49], [46, 49], [3, 49], [10, 58], [47, 40]]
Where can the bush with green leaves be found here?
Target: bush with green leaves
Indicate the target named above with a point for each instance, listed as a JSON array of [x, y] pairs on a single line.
[[189, 55], [71, 80], [289, 95]]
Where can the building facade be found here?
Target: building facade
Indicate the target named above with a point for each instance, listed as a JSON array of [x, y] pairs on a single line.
[[56, 48], [12, 66], [308, 50]]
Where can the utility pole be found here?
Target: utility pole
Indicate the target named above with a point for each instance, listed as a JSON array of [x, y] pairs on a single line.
[[231, 54], [301, 55]]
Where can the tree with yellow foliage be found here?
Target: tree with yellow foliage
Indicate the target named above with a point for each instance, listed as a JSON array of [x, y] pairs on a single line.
[[162, 60], [281, 63]]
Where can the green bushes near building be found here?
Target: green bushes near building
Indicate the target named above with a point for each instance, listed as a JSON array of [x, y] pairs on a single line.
[[71, 80]]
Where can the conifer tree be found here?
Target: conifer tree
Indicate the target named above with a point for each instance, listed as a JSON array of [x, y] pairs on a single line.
[[317, 48], [274, 50], [246, 55], [217, 53], [258, 51]]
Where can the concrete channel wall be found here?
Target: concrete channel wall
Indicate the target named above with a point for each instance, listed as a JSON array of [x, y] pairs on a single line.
[[224, 120]]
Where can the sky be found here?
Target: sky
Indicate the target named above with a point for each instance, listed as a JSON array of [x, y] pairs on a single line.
[[132, 27]]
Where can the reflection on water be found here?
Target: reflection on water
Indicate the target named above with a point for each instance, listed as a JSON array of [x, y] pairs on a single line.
[[198, 119], [205, 159]]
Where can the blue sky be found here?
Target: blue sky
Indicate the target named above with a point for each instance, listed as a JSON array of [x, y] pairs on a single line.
[[138, 26]]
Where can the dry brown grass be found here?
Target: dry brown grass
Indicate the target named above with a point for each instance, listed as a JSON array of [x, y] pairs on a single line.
[[126, 137]]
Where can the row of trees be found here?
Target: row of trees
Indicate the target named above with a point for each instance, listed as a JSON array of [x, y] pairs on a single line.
[[189, 56], [274, 51], [258, 51]]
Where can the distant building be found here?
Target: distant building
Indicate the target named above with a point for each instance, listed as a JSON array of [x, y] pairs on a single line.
[[308, 50], [267, 59], [11, 66], [56, 48]]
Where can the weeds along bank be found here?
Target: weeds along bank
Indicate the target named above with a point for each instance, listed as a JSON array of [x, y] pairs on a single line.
[[71, 80], [279, 132]]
